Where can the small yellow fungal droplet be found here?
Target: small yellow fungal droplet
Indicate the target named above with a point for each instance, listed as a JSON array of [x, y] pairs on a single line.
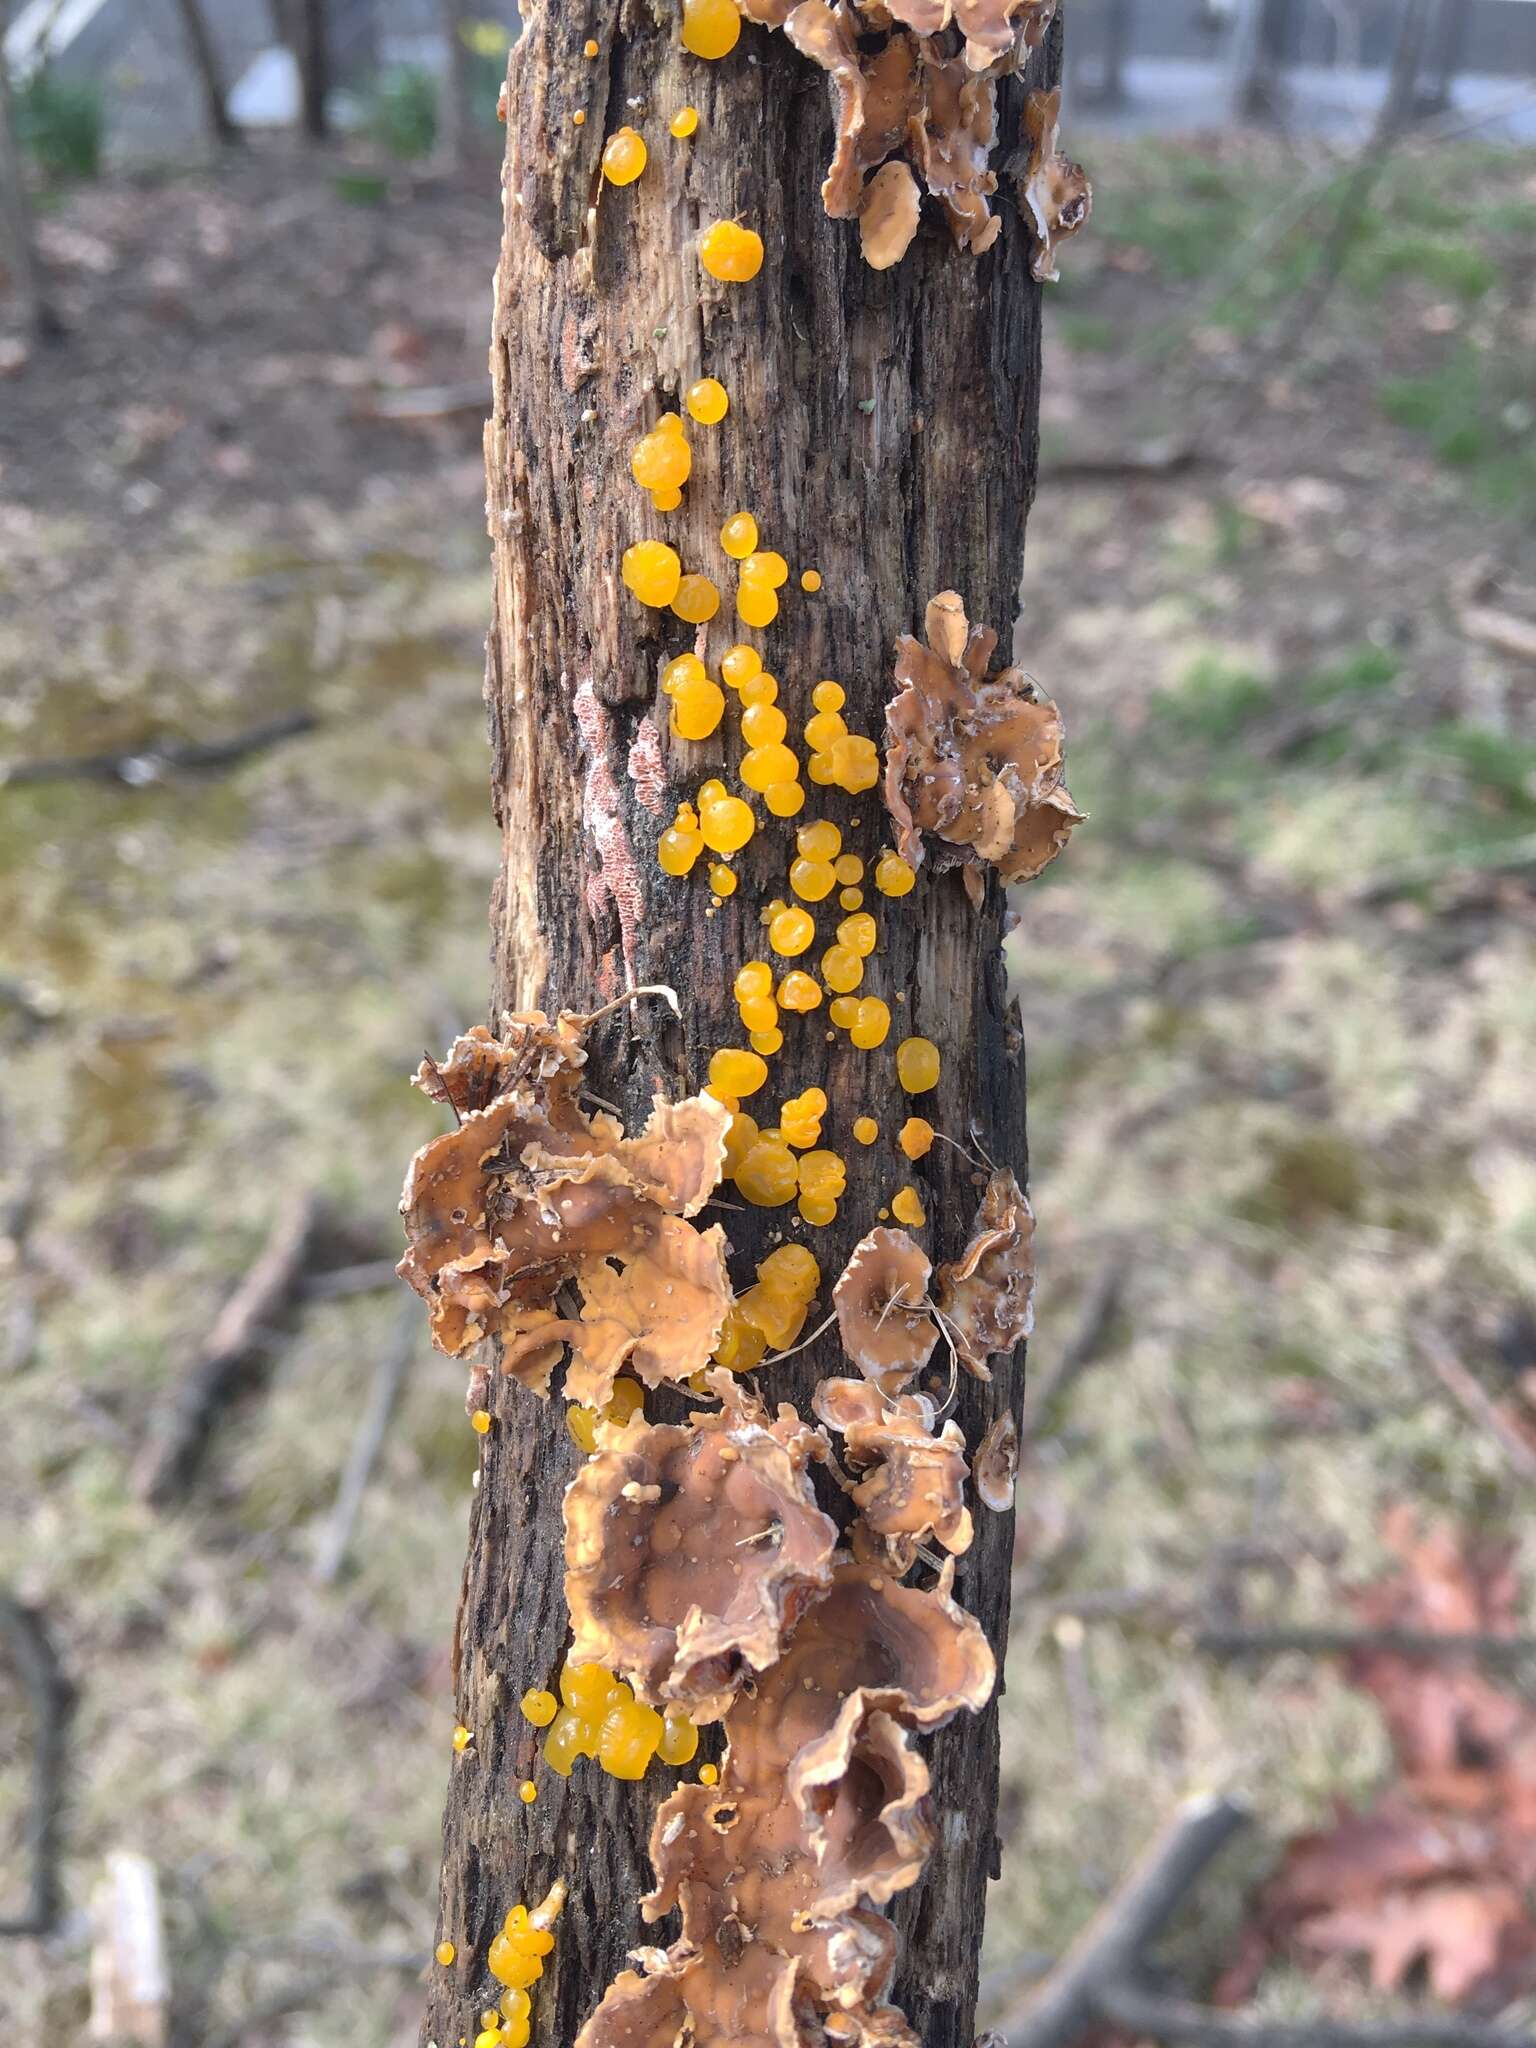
[[917, 1065], [527, 1791], [735, 1071], [819, 840], [810, 579], [894, 876], [727, 824], [865, 1129], [722, 879], [445, 1953], [708, 1775], [731, 252], [791, 932], [757, 604], [462, 1738], [710, 27], [871, 1024], [707, 401], [763, 725], [766, 566], [661, 460], [738, 537], [849, 868], [784, 798], [589, 48], [652, 571], [624, 156], [738, 665], [579, 118], [907, 1208], [480, 1422], [667, 501], [760, 689], [850, 899], [539, 1707], [916, 1137], [842, 1010], [811, 880], [682, 124]]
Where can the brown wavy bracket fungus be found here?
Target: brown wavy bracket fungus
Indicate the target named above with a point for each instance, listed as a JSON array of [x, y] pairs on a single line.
[[915, 1483], [972, 758], [529, 1193], [821, 1809], [1054, 191], [691, 1550], [986, 1296], [888, 215], [997, 1464], [882, 1313], [877, 96], [952, 137]]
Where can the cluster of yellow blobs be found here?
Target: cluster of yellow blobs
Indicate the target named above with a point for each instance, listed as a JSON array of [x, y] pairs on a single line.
[[710, 27], [721, 822], [762, 1162], [850, 760], [597, 1715], [773, 1310], [627, 1399], [515, 1959]]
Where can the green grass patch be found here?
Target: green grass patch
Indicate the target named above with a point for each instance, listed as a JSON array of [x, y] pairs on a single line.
[[61, 122], [1471, 424]]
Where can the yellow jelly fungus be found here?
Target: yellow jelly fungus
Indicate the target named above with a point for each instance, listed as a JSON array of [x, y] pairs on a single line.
[[824, 1172], [708, 1775], [710, 27], [792, 1269], [755, 979], [810, 579], [811, 880], [871, 1024], [916, 1137], [462, 1738], [858, 933], [759, 1013], [791, 932], [624, 156], [527, 1791], [652, 571], [739, 1140], [817, 1209], [731, 252], [865, 1129], [738, 537], [677, 850], [697, 600], [630, 1736], [907, 1208], [627, 1399], [763, 724], [666, 501], [515, 2005], [727, 825], [894, 876], [489, 2037], [679, 1742], [917, 1065], [708, 400], [784, 798], [760, 689], [711, 792], [661, 460], [766, 1042], [767, 567], [589, 48], [741, 1346], [539, 1707], [683, 124], [761, 767], [670, 423], [579, 118], [819, 770], [841, 969], [850, 899], [824, 729], [735, 1071], [819, 840], [738, 665], [842, 1010], [769, 1175], [722, 879], [828, 696], [683, 671], [445, 1953], [799, 992], [849, 868], [855, 763], [756, 604], [480, 1422]]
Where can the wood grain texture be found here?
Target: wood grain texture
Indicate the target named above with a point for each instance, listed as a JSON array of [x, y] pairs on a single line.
[[882, 429]]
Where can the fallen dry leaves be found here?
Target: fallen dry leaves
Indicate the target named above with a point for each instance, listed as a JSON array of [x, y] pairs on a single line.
[[1439, 1875]]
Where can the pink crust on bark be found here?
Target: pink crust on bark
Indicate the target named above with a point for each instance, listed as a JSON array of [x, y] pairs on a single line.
[[618, 877], [647, 771]]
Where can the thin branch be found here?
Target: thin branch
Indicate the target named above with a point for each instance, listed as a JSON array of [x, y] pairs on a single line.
[[24, 1634], [1144, 2014], [1468, 1392], [138, 767], [1110, 1948], [1418, 1645], [231, 1357], [383, 1397]]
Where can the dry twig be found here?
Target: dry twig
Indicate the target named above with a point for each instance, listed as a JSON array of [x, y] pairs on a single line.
[[51, 1697], [388, 1379]]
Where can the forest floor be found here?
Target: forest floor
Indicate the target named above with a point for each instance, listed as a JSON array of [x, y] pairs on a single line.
[[1278, 998]]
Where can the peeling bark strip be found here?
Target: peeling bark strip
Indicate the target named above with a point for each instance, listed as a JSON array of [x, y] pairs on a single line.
[[883, 430]]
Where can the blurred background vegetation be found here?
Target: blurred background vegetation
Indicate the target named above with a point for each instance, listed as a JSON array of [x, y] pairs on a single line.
[[1278, 997]]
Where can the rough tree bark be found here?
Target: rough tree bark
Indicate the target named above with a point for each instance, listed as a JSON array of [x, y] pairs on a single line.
[[883, 428]]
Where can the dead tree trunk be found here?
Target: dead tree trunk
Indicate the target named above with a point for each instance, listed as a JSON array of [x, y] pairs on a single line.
[[883, 429], [210, 73], [314, 56]]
